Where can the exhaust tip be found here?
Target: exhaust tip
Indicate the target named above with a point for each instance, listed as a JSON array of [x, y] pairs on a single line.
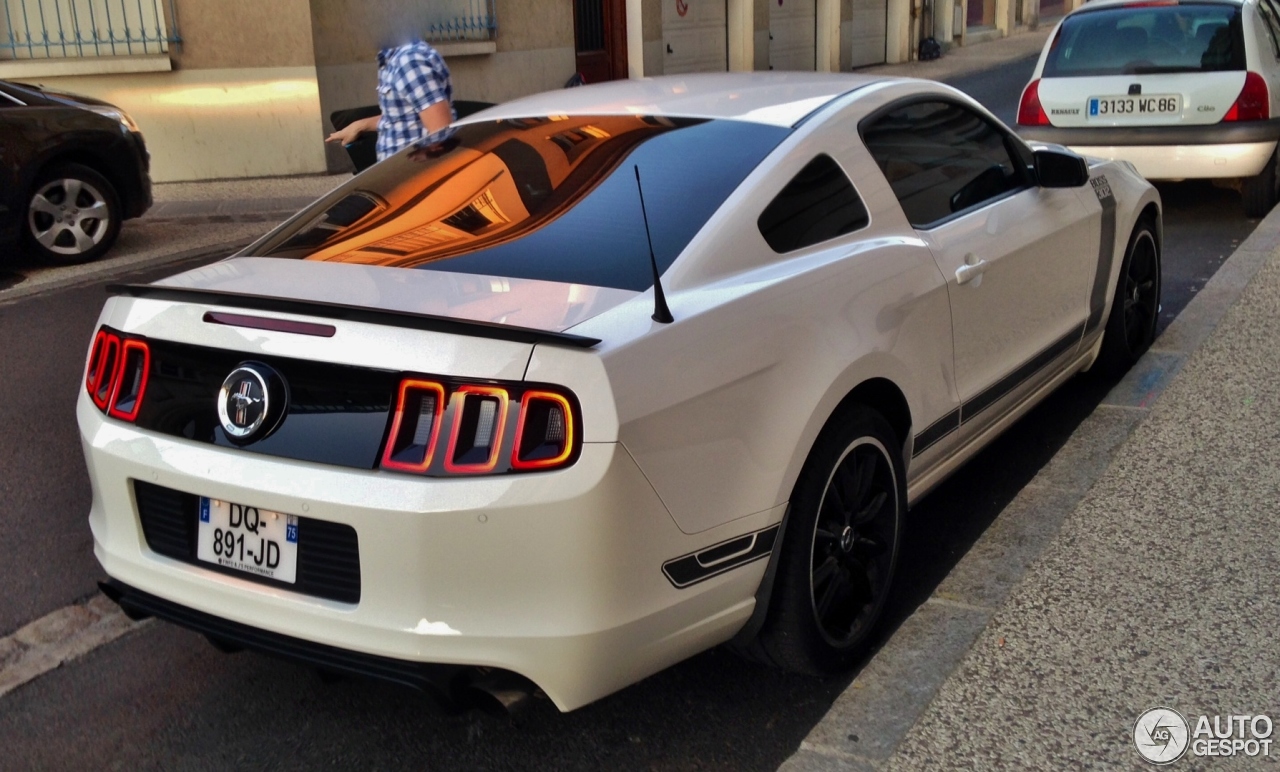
[[497, 692]]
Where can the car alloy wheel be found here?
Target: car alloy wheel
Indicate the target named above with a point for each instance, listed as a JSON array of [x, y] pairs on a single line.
[[69, 216], [1131, 325], [839, 548], [854, 538], [1141, 292]]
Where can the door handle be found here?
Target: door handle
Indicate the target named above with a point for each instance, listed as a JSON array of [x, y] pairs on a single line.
[[970, 271]]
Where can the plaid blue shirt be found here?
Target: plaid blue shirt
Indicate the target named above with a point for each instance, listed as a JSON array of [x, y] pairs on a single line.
[[410, 79]]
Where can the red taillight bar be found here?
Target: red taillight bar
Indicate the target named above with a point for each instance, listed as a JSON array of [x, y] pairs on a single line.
[[135, 363], [395, 446], [460, 414], [105, 365], [565, 453], [117, 372], [495, 441]]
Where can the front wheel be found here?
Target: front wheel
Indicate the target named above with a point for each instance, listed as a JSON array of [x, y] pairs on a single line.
[[73, 215], [1131, 327], [840, 547]]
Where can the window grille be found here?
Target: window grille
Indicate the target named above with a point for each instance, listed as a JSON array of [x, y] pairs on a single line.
[[452, 20], [46, 29]]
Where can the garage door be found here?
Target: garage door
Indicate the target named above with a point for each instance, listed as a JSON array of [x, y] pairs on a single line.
[[867, 32], [694, 36], [792, 25]]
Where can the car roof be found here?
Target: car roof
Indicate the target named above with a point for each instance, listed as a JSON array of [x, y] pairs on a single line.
[[1095, 5], [774, 98]]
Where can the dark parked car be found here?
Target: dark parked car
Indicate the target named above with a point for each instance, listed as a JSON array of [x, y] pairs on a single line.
[[72, 169]]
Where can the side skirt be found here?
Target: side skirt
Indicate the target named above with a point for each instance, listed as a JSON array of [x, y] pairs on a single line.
[[920, 484]]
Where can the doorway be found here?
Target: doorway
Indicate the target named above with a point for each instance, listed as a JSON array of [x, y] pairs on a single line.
[[600, 38]]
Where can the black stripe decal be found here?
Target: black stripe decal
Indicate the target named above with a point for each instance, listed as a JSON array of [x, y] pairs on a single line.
[[718, 558], [936, 431], [1000, 388], [342, 311], [993, 393], [1106, 252]]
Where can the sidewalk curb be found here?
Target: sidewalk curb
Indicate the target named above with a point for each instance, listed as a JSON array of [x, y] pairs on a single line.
[[113, 269], [868, 721]]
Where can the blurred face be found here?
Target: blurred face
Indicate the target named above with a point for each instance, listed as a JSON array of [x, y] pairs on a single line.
[[399, 29]]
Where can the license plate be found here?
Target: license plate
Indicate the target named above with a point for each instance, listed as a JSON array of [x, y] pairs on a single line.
[[1134, 106], [248, 539]]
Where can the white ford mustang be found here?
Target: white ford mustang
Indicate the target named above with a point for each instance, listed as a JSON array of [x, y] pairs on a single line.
[[443, 428]]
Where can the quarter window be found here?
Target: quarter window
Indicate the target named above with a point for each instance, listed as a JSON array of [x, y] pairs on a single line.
[[942, 159], [818, 204]]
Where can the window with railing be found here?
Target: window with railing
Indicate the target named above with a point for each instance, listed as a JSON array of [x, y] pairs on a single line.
[[461, 20], [50, 29]]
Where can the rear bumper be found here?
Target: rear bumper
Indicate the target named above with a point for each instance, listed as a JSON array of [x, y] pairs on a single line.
[[1127, 136], [555, 577], [1188, 162]]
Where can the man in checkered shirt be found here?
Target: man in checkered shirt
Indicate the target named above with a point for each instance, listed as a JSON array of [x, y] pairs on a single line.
[[415, 96]]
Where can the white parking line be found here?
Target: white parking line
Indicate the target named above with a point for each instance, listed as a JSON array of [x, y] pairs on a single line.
[[62, 636]]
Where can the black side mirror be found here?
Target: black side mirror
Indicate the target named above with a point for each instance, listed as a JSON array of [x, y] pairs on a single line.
[[1060, 169]]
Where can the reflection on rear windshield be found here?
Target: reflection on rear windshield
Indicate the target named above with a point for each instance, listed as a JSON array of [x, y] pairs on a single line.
[[1148, 39], [551, 198]]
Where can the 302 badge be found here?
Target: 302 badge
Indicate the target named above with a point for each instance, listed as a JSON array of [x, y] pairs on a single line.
[[249, 539]]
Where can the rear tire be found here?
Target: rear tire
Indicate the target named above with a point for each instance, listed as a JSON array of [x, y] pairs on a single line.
[[1131, 327], [839, 550], [1260, 191], [72, 215]]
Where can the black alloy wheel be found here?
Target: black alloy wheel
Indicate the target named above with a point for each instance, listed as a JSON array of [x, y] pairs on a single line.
[[853, 541], [1131, 327], [839, 548]]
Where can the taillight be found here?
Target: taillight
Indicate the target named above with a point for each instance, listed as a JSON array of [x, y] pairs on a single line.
[[479, 421], [131, 380], [1254, 102], [1030, 111], [475, 418], [415, 428], [544, 434], [116, 376]]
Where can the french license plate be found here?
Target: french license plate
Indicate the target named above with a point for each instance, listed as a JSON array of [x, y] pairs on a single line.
[[1134, 106], [248, 539]]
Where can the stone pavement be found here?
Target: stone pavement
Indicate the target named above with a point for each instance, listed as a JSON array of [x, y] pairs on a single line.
[[1137, 570]]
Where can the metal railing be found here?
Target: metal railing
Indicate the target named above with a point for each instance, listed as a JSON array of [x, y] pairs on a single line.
[[45, 29], [461, 20]]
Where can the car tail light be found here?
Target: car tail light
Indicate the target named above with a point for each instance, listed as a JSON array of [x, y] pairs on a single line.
[[479, 421], [1030, 111], [474, 418], [544, 433], [415, 427], [1254, 102], [131, 380], [102, 367], [116, 376]]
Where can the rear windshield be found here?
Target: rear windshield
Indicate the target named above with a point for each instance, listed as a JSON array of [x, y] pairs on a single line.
[[550, 198], [1148, 39]]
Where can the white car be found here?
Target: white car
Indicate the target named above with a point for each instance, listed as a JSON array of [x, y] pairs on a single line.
[[1182, 90], [443, 428]]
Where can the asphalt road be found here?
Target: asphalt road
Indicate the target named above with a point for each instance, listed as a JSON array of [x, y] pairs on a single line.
[[164, 698]]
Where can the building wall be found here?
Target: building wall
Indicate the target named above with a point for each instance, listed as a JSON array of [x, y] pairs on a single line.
[[240, 101]]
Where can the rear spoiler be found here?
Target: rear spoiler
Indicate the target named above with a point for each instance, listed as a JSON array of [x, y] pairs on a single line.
[[341, 311]]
